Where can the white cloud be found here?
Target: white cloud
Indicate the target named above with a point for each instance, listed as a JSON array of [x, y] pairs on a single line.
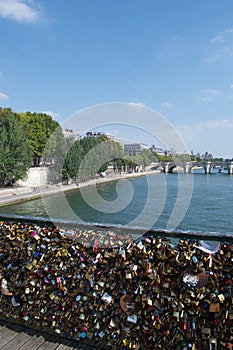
[[211, 59], [137, 106], [209, 124], [206, 99], [229, 30], [222, 123], [221, 46], [217, 39], [211, 92], [140, 104], [231, 86], [52, 114], [166, 104], [19, 10], [3, 96]]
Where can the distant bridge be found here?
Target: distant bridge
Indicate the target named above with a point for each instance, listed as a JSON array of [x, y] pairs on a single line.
[[168, 167]]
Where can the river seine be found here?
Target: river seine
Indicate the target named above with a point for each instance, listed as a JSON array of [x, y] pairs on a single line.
[[162, 202]]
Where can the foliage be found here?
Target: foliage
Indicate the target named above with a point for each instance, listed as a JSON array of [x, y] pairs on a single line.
[[72, 161], [193, 158], [88, 156], [15, 154], [163, 158], [181, 157], [39, 127], [145, 158], [54, 154]]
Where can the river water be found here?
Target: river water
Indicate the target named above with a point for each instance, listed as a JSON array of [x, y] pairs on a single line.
[[185, 202]]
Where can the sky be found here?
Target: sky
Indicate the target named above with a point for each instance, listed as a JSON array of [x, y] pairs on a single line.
[[173, 57]]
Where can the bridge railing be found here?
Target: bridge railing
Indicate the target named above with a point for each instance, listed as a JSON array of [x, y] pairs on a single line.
[[103, 286]]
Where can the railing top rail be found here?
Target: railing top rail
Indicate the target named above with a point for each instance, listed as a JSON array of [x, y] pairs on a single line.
[[135, 231]]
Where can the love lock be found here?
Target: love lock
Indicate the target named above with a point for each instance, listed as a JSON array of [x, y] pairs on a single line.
[[128, 305], [196, 281], [4, 286]]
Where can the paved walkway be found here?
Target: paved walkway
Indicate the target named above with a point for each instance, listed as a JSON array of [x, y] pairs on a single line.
[[18, 194], [17, 337], [15, 195]]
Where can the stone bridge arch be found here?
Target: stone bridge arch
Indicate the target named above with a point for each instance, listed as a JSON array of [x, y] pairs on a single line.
[[168, 167]]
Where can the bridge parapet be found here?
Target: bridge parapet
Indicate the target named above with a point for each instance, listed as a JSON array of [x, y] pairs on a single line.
[[230, 168], [168, 167]]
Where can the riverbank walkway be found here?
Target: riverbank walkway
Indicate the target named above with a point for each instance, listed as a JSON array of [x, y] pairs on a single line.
[[19, 194]]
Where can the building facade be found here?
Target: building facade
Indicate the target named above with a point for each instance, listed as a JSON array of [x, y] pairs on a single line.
[[133, 149]]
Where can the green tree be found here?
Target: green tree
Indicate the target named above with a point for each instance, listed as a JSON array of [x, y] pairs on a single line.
[[55, 147], [15, 155], [54, 154], [39, 127], [89, 156], [73, 160]]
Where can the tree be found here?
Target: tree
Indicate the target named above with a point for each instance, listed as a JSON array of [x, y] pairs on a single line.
[[15, 154], [73, 160], [39, 127], [54, 154], [89, 156], [53, 151]]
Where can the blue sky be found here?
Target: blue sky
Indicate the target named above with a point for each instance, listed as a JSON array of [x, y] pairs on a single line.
[[175, 57]]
